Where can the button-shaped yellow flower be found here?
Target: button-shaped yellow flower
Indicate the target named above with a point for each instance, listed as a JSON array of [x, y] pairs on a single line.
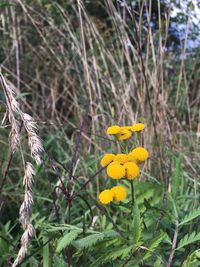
[[115, 129], [115, 170], [106, 196], [119, 193], [132, 170], [107, 158], [124, 134], [137, 127], [139, 154], [121, 158], [131, 157], [126, 128]]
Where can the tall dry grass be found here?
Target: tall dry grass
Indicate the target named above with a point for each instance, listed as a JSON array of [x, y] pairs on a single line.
[[85, 58]]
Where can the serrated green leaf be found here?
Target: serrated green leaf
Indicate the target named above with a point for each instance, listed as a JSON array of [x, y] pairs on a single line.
[[192, 260], [58, 261], [91, 240], [61, 227], [113, 254], [145, 196], [188, 239], [88, 241], [121, 253], [153, 245], [158, 263], [110, 233], [191, 216], [66, 240]]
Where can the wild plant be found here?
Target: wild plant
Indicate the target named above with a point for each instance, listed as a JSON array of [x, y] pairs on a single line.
[[18, 119], [85, 212]]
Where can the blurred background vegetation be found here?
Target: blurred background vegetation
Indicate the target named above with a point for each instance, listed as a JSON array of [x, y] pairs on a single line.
[[128, 61]]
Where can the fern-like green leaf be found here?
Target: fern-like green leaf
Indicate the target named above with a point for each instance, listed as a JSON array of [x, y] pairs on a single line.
[[193, 259], [191, 216], [113, 254], [91, 240], [188, 239], [110, 233], [61, 227], [153, 245], [121, 253], [58, 261], [88, 241], [67, 239]]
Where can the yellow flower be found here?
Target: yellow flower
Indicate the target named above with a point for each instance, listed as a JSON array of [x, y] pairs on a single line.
[[126, 128], [132, 170], [121, 158], [137, 127], [115, 129], [107, 158], [106, 196], [130, 157], [139, 153], [124, 134], [115, 170], [119, 193]]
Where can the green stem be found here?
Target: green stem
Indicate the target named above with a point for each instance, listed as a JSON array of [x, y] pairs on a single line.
[[132, 195]]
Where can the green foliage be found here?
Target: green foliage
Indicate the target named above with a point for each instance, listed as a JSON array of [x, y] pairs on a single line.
[[188, 239], [46, 254], [112, 255], [91, 240], [67, 239], [6, 242], [153, 245], [177, 176], [191, 216], [58, 261], [6, 4], [128, 237], [193, 259], [137, 226]]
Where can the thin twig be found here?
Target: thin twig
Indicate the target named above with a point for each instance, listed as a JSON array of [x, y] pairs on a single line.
[[88, 181]]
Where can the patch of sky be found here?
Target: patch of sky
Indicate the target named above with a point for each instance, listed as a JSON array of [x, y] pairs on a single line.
[[187, 14]]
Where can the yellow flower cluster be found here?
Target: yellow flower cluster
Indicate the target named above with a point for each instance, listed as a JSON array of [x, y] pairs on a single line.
[[117, 193], [125, 132], [122, 165]]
